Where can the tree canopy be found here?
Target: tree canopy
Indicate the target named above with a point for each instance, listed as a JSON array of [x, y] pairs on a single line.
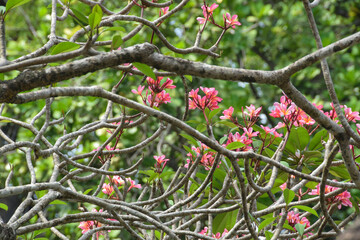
[[178, 119]]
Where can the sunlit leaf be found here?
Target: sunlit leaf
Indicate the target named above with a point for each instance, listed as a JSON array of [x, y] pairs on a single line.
[[64, 47], [307, 209], [116, 41], [235, 145], [266, 222], [3, 206], [288, 195], [300, 228], [10, 4], [145, 69]]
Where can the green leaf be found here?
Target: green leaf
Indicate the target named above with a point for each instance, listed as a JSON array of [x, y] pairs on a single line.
[[266, 222], [80, 18], [268, 235], [116, 29], [116, 41], [189, 77], [300, 228], [145, 69], [190, 138], [58, 202], [355, 205], [316, 141], [224, 220], [189, 150], [5, 121], [223, 139], [4, 206], [235, 145], [307, 209], [95, 17], [207, 112], [288, 227], [64, 47], [288, 195], [87, 191], [298, 139], [227, 123], [15, 3], [201, 127], [213, 113]]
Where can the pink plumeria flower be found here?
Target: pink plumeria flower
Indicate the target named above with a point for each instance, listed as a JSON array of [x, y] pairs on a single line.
[[139, 90], [86, 226], [252, 111], [340, 199], [132, 184], [210, 100], [358, 128], [207, 12], [160, 163], [283, 186], [249, 132], [230, 21], [118, 181], [164, 10], [350, 115], [228, 113], [207, 159], [107, 189]]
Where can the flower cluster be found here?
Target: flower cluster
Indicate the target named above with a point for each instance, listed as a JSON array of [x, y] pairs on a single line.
[[244, 138], [106, 157], [229, 21], [293, 219], [88, 225], [207, 159], [210, 100], [160, 163], [216, 236], [108, 188], [157, 94], [292, 114], [340, 199]]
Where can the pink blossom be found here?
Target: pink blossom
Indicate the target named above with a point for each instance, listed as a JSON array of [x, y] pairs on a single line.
[[283, 186], [207, 159], [207, 12], [108, 148], [156, 86], [160, 98], [282, 110], [350, 115], [216, 236], [239, 138], [252, 111], [107, 189], [165, 10], [293, 219], [118, 181], [139, 90], [132, 184], [230, 21], [210, 100], [227, 113], [160, 162], [249, 132], [340, 199], [86, 226]]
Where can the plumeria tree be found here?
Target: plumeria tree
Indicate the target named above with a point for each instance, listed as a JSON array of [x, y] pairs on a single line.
[[112, 128]]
